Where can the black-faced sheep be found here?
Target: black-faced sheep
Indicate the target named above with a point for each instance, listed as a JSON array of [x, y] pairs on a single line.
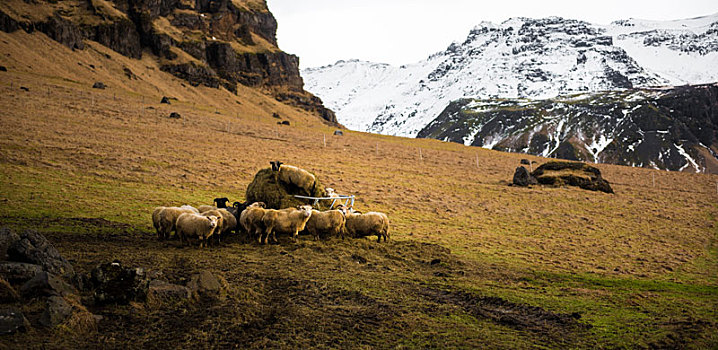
[[251, 219], [371, 223], [298, 177], [329, 223], [168, 219], [288, 221], [221, 202], [190, 225], [206, 208]]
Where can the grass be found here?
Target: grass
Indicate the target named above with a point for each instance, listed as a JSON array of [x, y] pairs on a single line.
[[86, 167]]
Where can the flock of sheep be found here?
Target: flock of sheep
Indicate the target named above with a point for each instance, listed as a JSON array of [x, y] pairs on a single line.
[[258, 222]]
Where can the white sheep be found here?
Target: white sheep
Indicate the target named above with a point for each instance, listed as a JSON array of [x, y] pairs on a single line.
[[251, 219], [288, 220], [206, 208], [187, 206], [168, 219], [298, 177], [196, 225], [227, 221], [371, 223], [329, 223], [156, 220]]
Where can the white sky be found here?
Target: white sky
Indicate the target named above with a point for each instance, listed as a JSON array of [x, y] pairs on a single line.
[[406, 31]]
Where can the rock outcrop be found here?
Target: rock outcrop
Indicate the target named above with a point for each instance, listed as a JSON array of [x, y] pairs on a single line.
[[215, 43]]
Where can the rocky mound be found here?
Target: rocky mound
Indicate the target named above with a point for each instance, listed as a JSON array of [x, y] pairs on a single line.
[[276, 194], [572, 174]]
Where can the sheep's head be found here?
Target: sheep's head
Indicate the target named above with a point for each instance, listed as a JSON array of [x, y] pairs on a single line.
[[213, 220], [342, 209], [257, 205]]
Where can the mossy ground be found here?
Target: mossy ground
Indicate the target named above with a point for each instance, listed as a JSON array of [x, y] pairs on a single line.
[[85, 167]]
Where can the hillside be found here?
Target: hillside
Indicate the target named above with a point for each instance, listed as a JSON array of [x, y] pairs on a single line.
[[210, 43], [471, 262], [665, 128], [520, 58]]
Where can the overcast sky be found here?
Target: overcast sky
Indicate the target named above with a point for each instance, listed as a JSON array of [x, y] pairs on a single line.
[[406, 31]]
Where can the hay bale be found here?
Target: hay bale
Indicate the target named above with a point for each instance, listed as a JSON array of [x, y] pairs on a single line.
[[276, 195], [572, 174]]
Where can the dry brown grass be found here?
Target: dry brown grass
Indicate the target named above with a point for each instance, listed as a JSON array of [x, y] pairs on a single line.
[[629, 262]]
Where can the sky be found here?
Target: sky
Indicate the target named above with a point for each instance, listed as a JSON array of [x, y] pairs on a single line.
[[399, 32]]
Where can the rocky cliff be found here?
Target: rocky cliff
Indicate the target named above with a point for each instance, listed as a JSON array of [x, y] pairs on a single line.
[[662, 128], [206, 42]]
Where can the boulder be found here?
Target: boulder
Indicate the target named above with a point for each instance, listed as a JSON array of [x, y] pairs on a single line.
[[99, 85], [114, 284], [175, 115], [161, 293], [338, 133], [17, 272], [46, 284], [7, 293], [56, 312], [206, 286], [7, 238], [3, 69], [166, 100], [522, 177], [34, 248], [582, 175], [12, 320]]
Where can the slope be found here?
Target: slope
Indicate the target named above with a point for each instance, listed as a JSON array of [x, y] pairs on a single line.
[[471, 261]]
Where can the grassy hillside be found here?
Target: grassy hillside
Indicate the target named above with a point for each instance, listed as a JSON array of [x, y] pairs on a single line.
[[471, 263]]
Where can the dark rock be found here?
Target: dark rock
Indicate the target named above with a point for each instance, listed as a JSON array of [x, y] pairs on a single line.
[[3, 69], [338, 132], [24, 88], [120, 35], [525, 162], [99, 85], [34, 248], [7, 23], [62, 31], [17, 272], [114, 284], [166, 100], [12, 320], [284, 122], [7, 292], [276, 115], [523, 178], [46, 284], [195, 74], [175, 115], [205, 285], [161, 293], [572, 174], [7, 238], [129, 74], [56, 312], [435, 261]]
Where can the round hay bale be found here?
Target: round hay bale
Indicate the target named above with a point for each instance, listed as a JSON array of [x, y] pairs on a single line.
[[276, 195]]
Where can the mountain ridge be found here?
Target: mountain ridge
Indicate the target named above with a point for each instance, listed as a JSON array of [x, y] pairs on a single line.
[[535, 58]]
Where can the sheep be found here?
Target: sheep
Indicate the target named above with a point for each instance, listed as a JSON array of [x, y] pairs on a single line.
[[331, 193], [298, 177], [187, 206], [221, 202], [156, 221], [330, 223], [251, 219], [371, 223], [168, 219], [206, 208], [196, 225], [226, 224], [285, 221]]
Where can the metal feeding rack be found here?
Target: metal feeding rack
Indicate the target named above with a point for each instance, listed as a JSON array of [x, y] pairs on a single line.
[[348, 200]]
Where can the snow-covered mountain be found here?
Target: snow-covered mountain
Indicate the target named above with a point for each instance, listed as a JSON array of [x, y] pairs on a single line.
[[519, 58]]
